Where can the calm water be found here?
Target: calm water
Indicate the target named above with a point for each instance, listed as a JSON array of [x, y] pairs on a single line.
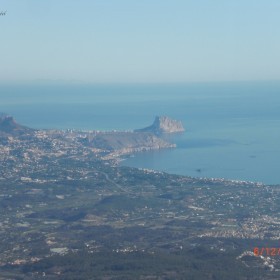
[[232, 129]]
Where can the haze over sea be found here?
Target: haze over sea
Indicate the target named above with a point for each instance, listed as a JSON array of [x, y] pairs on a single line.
[[232, 129]]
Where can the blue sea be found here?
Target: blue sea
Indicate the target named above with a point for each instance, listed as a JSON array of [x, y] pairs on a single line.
[[232, 129]]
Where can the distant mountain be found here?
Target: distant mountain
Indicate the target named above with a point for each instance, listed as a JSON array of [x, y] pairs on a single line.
[[8, 126], [163, 124]]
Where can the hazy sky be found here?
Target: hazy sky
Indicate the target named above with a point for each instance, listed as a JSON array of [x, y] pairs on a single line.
[[139, 40]]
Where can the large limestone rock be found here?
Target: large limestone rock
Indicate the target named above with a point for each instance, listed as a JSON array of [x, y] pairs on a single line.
[[163, 124]]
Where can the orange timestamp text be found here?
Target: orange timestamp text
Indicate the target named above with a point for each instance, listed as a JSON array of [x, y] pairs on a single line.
[[266, 251]]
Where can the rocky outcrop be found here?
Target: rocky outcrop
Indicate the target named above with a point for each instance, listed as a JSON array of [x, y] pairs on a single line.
[[163, 124], [149, 138], [8, 126]]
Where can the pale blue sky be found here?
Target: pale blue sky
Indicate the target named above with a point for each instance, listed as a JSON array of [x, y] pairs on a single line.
[[142, 41]]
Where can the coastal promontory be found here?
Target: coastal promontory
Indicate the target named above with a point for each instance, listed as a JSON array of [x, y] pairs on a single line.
[[163, 124]]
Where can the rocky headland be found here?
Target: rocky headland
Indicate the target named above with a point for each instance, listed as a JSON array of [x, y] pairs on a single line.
[[162, 125], [149, 138]]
